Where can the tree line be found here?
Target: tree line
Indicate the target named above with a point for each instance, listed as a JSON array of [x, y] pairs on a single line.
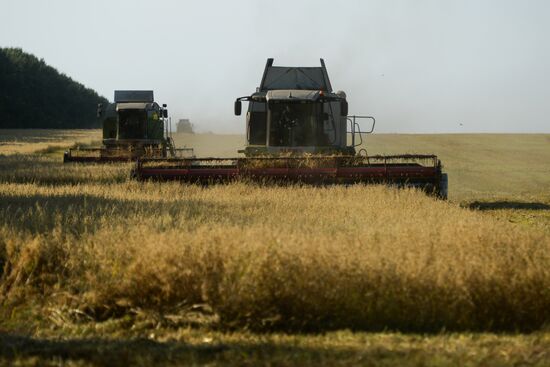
[[36, 95]]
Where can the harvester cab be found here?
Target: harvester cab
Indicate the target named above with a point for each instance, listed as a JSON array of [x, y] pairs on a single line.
[[295, 110], [133, 126], [133, 119], [298, 130]]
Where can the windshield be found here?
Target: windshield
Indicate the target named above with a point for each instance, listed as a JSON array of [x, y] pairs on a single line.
[[132, 124], [296, 124]]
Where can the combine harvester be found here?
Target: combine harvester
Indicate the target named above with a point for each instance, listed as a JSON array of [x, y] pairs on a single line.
[[133, 126], [298, 130]]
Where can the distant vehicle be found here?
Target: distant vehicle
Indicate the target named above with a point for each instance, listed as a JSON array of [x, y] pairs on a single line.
[[133, 126], [185, 126]]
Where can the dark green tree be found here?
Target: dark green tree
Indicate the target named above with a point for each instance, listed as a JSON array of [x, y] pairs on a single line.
[[35, 95]]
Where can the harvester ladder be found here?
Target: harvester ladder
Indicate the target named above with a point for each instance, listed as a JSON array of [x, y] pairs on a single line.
[[171, 146]]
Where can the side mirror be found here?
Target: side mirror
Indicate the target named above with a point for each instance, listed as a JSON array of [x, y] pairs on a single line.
[[238, 108], [99, 111], [165, 113], [344, 108]]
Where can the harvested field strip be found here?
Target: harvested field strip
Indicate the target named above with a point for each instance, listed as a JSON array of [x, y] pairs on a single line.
[[343, 348]]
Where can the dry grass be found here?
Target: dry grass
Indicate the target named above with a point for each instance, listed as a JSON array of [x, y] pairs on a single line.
[[395, 259], [38, 141], [87, 252]]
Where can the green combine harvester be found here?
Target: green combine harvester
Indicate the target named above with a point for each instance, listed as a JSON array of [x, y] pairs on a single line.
[[134, 126]]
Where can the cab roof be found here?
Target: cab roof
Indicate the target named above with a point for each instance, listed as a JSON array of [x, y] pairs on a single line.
[[133, 96], [295, 77]]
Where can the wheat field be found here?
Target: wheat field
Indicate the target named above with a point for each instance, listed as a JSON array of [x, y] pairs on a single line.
[[480, 166], [247, 274]]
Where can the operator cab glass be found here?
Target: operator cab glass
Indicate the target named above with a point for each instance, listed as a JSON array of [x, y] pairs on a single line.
[[132, 124], [299, 124]]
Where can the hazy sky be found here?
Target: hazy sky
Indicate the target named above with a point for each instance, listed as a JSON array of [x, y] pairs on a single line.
[[416, 65]]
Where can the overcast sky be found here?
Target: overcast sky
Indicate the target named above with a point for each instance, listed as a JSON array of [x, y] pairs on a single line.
[[417, 65]]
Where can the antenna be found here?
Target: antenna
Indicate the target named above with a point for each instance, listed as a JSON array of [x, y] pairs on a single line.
[[268, 64], [325, 75]]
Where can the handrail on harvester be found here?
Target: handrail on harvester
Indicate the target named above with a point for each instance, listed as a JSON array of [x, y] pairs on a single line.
[[356, 128]]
